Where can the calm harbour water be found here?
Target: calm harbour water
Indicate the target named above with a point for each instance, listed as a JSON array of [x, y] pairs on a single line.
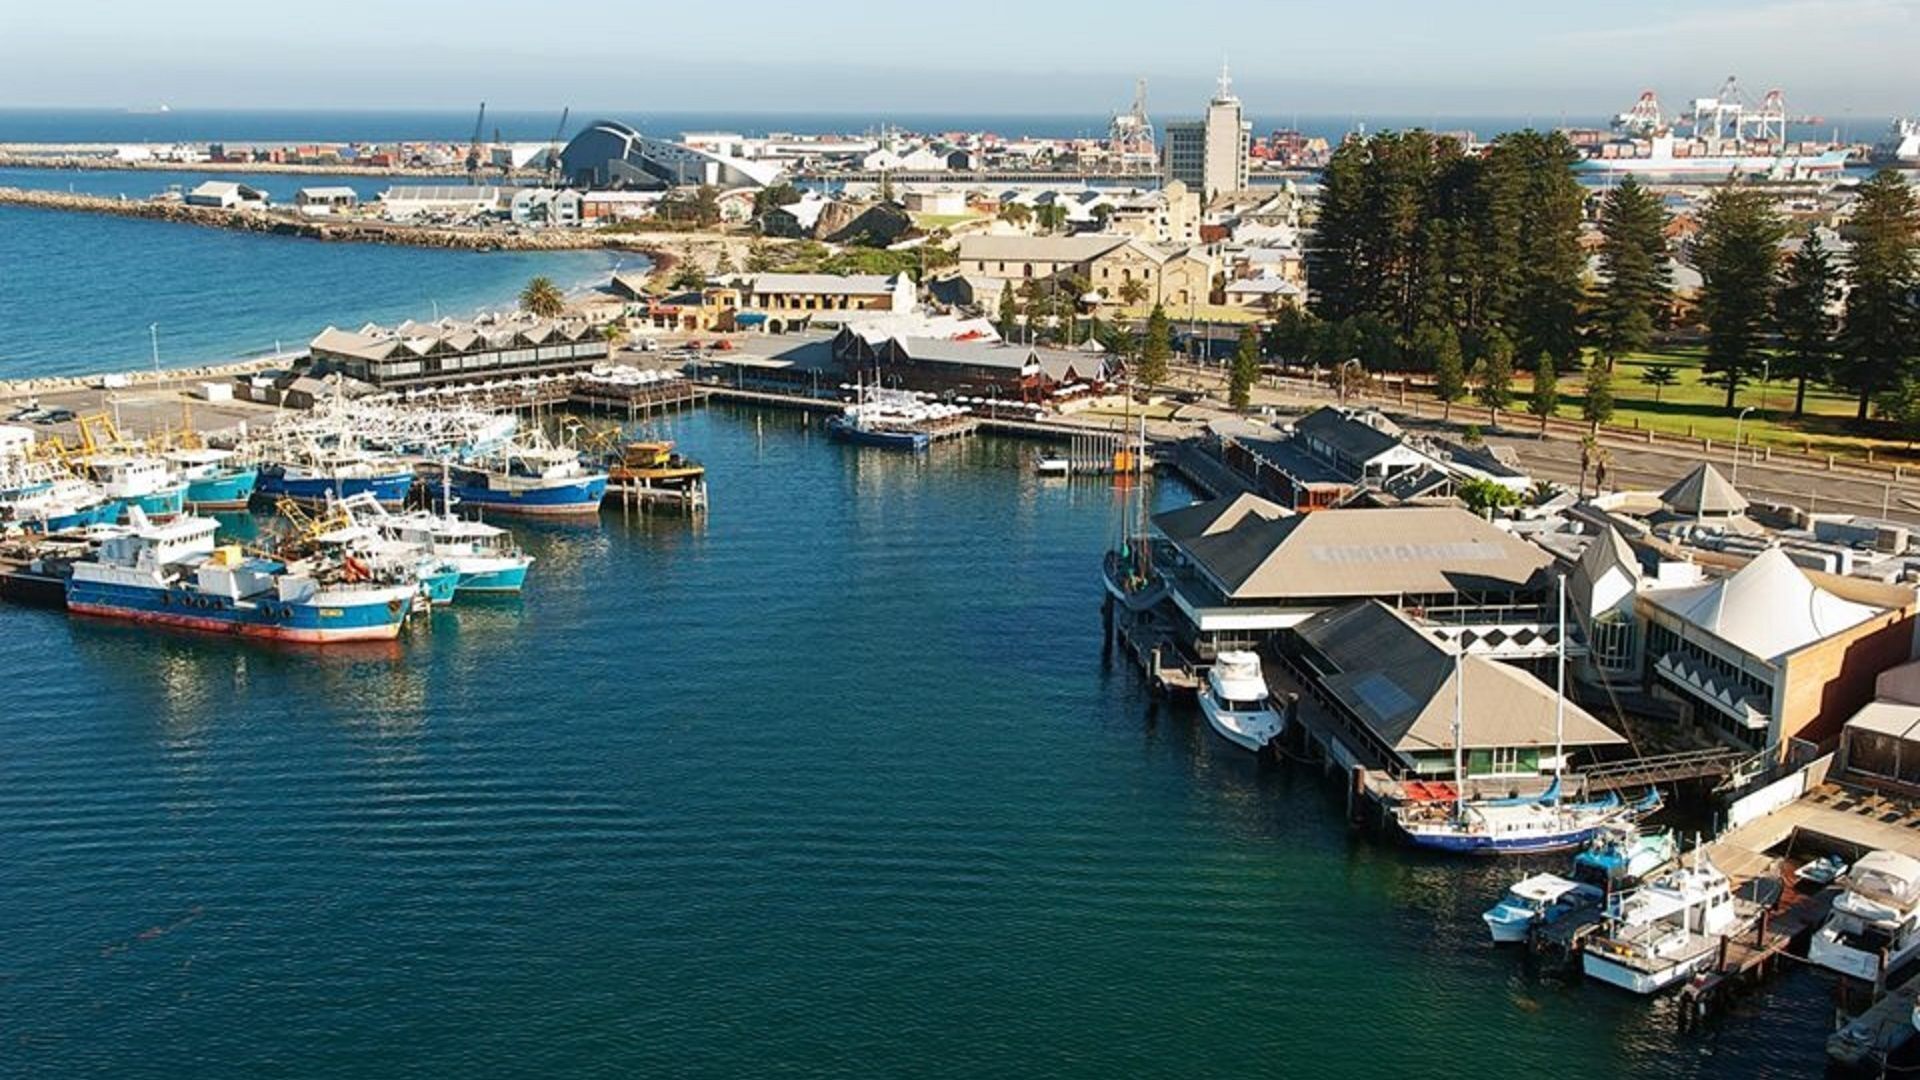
[[836, 782]]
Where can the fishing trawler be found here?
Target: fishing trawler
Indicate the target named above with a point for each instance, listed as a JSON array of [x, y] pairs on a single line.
[[313, 475], [348, 534], [216, 479], [174, 574], [484, 557], [1622, 855], [39, 495], [528, 478], [139, 481]]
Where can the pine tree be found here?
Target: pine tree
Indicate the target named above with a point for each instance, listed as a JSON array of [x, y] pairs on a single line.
[[1157, 350], [1597, 409], [1494, 371], [1440, 348], [1545, 399], [1880, 321], [1633, 261], [1548, 262], [1801, 310], [1246, 368], [1735, 252]]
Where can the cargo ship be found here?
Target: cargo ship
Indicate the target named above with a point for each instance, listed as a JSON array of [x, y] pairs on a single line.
[[174, 574], [1661, 160]]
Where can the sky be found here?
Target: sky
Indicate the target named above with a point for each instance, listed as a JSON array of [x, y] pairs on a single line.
[[1540, 59]]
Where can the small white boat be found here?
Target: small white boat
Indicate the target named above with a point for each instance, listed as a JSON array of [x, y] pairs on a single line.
[[1875, 922], [1236, 701], [1541, 899], [1822, 871], [1053, 466]]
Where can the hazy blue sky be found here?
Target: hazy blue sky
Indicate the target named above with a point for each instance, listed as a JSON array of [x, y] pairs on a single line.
[[1540, 58]]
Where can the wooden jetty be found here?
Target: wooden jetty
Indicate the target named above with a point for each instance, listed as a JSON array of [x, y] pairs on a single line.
[[1866, 1042], [635, 399]]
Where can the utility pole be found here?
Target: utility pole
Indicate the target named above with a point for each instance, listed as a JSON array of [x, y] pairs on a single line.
[[153, 331]]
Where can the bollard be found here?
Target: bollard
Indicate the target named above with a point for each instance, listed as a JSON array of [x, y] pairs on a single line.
[[1829, 462]]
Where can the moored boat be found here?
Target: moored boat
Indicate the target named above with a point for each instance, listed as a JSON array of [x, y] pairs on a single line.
[[173, 574], [1622, 855], [528, 479], [1875, 924], [315, 476], [1236, 702], [139, 481], [216, 480], [1540, 900], [1665, 931]]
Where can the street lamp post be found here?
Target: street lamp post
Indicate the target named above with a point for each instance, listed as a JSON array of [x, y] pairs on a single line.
[[153, 332], [1737, 421]]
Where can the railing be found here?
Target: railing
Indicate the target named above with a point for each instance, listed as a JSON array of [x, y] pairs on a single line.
[[1667, 768]]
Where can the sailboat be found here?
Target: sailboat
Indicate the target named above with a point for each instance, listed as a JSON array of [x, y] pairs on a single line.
[[1529, 825]]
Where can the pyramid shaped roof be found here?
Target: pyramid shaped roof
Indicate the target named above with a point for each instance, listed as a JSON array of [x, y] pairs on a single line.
[[1769, 609], [1703, 491]]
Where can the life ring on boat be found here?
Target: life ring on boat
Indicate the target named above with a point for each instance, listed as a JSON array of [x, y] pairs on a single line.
[[393, 607]]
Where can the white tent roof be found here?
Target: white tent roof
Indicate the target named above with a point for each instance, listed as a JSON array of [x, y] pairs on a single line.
[[1769, 609]]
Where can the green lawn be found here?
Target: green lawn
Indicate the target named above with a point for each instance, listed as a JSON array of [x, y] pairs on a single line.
[[1693, 406]]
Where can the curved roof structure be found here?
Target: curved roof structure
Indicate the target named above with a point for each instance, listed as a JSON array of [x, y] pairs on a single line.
[[610, 154], [1769, 609]]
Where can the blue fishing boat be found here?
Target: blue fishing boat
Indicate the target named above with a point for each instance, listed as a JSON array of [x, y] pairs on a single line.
[[215, 479], [313, 477], [1622, 855], [139, 481], [1540, 900], [527, 479], [173, 574], [486, 557]]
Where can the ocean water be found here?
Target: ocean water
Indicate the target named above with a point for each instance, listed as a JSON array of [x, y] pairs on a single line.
[[838, 782], [286, 126], [78, 292]]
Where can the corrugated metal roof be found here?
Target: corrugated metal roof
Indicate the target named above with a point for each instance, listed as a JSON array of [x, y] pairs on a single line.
[[1398, 680]]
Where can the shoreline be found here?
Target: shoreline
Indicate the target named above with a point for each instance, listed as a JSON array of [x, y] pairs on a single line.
[[334, 230], [78, 160]]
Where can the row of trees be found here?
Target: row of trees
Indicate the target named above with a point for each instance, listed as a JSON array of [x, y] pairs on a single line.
[[1762, 310], [1430, 259]]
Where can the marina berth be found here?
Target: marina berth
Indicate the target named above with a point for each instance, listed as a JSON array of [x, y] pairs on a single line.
[[1875, 925], [1237, 704], [173, 574]]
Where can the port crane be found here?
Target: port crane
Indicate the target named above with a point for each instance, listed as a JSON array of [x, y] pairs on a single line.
[[473, 146]]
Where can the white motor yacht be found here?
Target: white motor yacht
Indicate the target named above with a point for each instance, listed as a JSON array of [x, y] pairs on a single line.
[[1237, 703], [1875, 920]]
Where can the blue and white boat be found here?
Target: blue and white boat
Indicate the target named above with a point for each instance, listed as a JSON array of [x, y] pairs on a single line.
[[216, 479], [1518, 826], [173, 574], [863, 430], [139, 481], [314, 476], [38, 495], [1540, 900], [1623, 855], [486, 557], [533, 479], [349, 534]]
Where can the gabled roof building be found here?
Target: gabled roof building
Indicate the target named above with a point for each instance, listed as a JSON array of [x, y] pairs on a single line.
[[452, 351]]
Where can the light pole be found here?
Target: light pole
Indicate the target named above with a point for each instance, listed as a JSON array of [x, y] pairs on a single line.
[[1737, 421], [153, 332], [1766, 376]]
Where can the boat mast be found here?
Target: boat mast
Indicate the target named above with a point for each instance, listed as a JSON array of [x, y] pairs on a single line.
[[1459, 739], [1560, 689]]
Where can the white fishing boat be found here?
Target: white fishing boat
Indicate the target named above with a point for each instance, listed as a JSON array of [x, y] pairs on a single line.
[[1540, 900], [1667, 930], [1236, 701], [1875, 924]]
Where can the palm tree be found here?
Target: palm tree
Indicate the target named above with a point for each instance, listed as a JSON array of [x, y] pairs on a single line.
[[1015, 213], [1133, 291], [543, 298]]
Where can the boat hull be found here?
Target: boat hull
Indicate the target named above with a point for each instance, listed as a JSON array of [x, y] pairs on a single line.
[[377, 617], [157, 504], [574, 497], [1241, 731], [390, 490], [844, 432], [1827, 951], [1507, 931], [1483, 844], [504, 579], [105, 513], [1598, 965], [227, 491]]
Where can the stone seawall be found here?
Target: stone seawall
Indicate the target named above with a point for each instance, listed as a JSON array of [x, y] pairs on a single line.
[[341, 230]]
